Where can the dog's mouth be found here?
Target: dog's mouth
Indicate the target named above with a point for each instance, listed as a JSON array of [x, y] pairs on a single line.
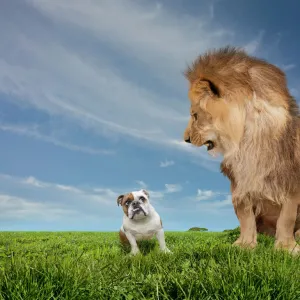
[[138, 210], [210, 145]]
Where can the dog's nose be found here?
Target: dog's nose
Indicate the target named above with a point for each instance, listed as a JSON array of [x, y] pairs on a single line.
[[135, 204], [188, 140]]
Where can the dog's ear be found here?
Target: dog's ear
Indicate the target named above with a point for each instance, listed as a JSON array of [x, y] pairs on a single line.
[[120, 199], [146, 193]]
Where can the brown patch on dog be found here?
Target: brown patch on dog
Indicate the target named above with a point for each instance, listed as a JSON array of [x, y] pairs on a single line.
[[123, 199], [120, 199], [123, 238], [242, 105]]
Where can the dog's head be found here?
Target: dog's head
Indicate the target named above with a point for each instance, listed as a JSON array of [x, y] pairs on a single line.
[[135, 204]]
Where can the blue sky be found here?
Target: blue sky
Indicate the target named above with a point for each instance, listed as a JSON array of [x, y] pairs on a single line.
[[93, 104]]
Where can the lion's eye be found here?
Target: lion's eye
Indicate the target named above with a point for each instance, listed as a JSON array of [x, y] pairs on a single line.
[[195, 117]]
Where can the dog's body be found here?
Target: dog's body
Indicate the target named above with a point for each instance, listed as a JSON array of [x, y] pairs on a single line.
[[241, 108], [140, 221]]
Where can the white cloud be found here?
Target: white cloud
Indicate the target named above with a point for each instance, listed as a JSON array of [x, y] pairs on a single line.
[[156, 194], [16, 208], [142, 184], [288, 67], [87, 86], [36, 195], [215, 206], [33, 181], [205, 194], [173, 188], [108, 192], [227, 202], [160, 194], [68, 188], [253, 46], [34, 133], [34, 200], [210, 201], [40, 184], [166, 163], [56, 191], [150, 33]]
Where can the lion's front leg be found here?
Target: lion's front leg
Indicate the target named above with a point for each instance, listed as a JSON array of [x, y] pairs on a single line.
[[248, 236], [285, 238]]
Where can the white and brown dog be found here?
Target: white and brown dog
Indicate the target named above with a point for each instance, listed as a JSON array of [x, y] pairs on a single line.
[[140, 221]]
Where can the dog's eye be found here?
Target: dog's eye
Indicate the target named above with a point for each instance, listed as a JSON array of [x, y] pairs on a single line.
[[127, 203], [143, 199]]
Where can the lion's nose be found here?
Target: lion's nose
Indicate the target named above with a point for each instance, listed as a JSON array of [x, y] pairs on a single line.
[[188, 140]]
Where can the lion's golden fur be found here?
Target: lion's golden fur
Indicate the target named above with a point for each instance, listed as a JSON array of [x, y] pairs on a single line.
[[243, 105]]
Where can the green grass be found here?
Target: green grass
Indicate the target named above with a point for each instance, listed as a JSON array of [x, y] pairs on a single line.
[[73, 265]]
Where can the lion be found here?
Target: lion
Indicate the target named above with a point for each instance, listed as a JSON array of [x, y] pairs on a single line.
[[241, 108]]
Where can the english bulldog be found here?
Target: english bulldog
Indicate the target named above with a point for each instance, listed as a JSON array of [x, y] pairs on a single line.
[[140, 221]]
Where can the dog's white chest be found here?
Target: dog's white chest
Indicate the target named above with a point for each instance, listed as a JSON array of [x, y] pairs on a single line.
[[143, 230], [144, 236]]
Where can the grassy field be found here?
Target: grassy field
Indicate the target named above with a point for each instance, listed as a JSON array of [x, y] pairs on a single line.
[[74, 265]]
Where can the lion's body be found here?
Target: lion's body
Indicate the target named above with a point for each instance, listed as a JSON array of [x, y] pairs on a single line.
[[242, 106]]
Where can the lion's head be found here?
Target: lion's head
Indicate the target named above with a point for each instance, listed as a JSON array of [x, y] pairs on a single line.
[[233, 94]]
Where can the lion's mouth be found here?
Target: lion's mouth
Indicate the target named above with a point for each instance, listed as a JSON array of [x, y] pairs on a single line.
[[209, 144]]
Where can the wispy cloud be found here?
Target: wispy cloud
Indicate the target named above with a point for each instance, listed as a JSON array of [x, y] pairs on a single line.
[[173, 188], [206, 194], [87, 86], [33, 132], [215, 206], [55, 192], [288, 67], [160, 194], [253, 46], [16, 208], [209, 200], [156, 194], [33, 181], [85, 200], [224, 203], [166, 163], [151, 29], [142, 184], [29, 198]]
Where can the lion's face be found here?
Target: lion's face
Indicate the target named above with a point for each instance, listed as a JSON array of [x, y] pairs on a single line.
[[214, 122]]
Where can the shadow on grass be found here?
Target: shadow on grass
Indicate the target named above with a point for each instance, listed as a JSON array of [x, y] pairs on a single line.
[[145, 246]]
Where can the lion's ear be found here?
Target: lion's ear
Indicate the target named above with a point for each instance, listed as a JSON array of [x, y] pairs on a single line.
[[209, 86], [120, 199]]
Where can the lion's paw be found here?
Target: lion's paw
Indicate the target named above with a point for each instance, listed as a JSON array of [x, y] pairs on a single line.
[[244, 244], [292, 248]]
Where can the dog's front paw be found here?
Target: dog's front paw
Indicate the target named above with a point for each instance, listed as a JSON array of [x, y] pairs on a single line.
[[166, 250], [134, 252]]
